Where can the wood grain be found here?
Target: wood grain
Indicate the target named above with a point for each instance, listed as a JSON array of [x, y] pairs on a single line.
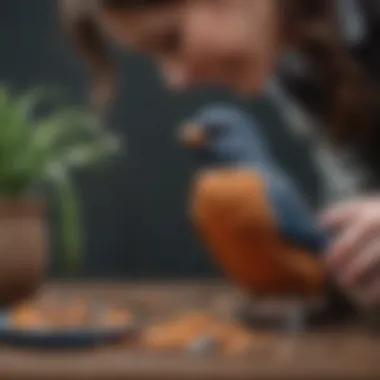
[[345, 353]]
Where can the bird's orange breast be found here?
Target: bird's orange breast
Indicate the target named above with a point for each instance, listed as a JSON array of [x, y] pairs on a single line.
[[232, 213]]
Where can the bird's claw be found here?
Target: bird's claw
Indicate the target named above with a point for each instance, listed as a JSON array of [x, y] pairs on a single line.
[[296, 318]]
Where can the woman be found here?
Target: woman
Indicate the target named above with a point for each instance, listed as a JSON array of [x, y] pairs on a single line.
[[242, 44]]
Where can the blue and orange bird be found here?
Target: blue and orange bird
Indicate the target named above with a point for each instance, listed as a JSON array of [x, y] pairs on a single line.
[[248, 212]]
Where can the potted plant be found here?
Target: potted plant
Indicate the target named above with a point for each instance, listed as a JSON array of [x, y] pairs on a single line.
[[37, 149]]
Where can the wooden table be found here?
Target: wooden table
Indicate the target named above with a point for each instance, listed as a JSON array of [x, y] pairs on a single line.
[[344, 355]]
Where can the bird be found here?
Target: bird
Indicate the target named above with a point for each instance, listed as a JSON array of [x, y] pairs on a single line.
[[250, 214]]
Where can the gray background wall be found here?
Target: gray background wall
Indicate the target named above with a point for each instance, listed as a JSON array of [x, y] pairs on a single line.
[[135, 212]]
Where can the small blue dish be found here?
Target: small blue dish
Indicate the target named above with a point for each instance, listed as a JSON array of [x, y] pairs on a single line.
[[68, 339]]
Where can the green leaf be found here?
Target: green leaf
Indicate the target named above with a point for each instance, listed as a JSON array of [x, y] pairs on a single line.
[[89, 153], [70, 218]]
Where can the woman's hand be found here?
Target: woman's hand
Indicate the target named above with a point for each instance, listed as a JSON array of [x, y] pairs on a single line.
[[354, 256]]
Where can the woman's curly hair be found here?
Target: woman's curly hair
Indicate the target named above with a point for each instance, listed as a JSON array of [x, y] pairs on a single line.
[[349, 102]]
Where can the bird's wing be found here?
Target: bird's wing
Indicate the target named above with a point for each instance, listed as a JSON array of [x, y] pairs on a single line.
[[295, 219], [234, 216]]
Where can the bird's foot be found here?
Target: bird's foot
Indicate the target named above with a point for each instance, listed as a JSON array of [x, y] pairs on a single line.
[[290, 317], [274, 315], [297, 320]]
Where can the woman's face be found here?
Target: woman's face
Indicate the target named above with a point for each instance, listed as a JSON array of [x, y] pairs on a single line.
[[233, 43]]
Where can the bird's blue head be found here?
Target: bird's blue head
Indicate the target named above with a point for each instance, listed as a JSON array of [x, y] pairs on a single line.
[[224, 135]]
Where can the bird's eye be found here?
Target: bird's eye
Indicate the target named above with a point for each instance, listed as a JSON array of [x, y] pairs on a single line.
[[216, 131]]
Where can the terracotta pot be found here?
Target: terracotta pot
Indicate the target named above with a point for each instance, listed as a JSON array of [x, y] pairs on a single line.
[[23, 248]]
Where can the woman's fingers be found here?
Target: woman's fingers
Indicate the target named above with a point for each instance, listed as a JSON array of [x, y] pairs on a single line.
[[352, 240], [364, 266], [340, 215], [354, 256]]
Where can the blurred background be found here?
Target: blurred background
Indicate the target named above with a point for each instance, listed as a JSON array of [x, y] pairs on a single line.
[[135, 213]]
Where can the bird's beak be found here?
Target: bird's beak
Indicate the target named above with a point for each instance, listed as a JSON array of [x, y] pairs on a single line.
[[192, 135]]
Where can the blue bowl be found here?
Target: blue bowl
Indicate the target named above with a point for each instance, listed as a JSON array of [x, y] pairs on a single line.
[[68, 339]]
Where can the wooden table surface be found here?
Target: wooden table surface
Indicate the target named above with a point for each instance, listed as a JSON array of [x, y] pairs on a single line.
[[342, 355]]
